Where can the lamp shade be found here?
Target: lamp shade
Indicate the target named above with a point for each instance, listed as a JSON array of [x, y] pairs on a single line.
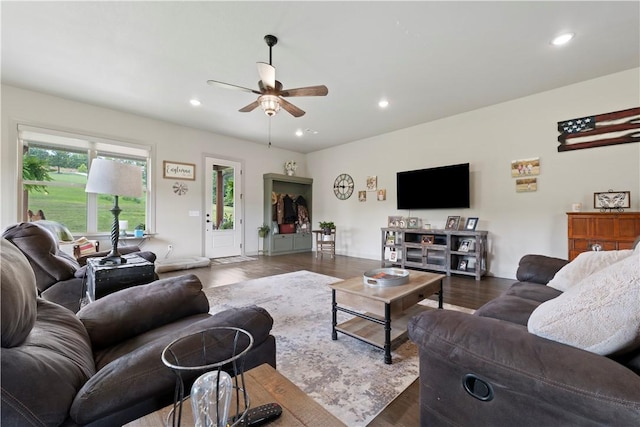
[[115, 178]]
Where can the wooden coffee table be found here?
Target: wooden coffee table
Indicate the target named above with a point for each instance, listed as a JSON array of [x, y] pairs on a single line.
[[391, 307], [264, 385]]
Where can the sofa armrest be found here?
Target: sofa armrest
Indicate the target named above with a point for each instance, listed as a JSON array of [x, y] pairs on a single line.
[[133, 311], [539, 268], [532, 378]]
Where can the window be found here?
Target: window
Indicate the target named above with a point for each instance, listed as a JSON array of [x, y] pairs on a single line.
[[54, 176]]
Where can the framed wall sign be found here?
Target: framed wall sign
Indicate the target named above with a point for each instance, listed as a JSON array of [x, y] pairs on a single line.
[[177, 170], [612, 200]]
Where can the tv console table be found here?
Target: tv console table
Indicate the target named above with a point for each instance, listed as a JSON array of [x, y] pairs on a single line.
[[447, 251]]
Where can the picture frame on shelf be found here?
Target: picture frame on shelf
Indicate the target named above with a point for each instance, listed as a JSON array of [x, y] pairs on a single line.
[[413, 222], [394, 221], [471, 223], [466, 245], [427, 239], [393, 255], [612, 200], [452, 223], [391, 239], [462, 265]]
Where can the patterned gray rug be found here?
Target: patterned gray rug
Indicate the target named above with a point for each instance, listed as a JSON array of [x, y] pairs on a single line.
[[347, 377]]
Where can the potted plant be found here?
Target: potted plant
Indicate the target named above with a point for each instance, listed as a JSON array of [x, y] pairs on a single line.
[[139, 230], [327, 226], [263, 230]]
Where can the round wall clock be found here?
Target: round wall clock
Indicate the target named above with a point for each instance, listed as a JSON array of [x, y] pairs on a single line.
[[343, 186]]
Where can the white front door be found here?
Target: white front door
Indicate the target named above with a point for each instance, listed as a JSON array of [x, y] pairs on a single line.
[[223, 208]]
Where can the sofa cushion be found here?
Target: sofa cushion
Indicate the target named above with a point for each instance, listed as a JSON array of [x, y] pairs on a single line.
[[510, 308], [17, 295], [133, 311], [538, 268], [140, 374], [600, 314], [41, 377], [532, 291], [585, 265], [41, 249]]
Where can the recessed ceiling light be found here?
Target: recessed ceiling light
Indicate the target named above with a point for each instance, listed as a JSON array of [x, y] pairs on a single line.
[[562, 39], [383, 103], [195, 102], [299, 132]]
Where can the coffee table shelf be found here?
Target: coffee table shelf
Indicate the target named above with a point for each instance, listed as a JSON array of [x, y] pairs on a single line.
[[371, 333], [381, 314]]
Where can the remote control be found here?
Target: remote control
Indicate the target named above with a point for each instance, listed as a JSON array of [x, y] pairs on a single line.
[[261, 414]]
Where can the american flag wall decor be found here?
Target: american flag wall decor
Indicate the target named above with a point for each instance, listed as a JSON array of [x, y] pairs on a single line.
[[619, 127]]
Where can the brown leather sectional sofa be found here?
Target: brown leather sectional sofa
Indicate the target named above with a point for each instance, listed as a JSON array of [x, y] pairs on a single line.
[[486, 369], [102, 366]]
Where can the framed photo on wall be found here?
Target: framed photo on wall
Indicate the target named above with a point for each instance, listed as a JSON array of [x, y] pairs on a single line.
[[372, 183], [452, 223]]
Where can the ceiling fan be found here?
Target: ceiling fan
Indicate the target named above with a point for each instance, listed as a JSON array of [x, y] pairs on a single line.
[[271, 92]]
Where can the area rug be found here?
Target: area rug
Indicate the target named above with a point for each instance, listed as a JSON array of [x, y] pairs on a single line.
[[346, 376], [232, 260]]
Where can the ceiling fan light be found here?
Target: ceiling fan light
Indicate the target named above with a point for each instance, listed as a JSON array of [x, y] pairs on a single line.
[[270, 104]]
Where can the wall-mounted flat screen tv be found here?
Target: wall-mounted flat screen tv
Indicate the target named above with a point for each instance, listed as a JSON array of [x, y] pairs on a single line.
[[442, 187]]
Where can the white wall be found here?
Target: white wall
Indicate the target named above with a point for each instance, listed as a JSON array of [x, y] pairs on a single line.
[[489, 139], [171, 142]]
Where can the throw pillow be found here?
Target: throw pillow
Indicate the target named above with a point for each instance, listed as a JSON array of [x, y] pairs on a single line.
[[600, 314], [61, 232], [585, 265]]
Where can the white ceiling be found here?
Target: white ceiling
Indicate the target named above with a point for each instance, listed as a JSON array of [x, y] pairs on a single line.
[[429, 59]]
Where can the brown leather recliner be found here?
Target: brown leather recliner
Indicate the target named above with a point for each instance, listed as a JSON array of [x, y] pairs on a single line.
[[487, 369], [59, 277], [103, 367]]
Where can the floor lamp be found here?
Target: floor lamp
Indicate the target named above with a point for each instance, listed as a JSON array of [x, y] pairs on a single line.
[[117, 179]]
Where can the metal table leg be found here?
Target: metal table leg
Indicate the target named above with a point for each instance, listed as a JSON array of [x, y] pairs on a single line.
[[387, 334], [334, 317]]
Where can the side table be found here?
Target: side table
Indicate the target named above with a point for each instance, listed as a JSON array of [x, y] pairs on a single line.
[[106, 279]]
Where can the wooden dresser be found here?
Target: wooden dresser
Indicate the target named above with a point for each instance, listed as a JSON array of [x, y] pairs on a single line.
[[611, 231]]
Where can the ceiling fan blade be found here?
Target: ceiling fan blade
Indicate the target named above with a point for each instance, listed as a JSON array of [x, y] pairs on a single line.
[[250, 107], [292, 109], [267, 74], [320, 90], [230, 86]]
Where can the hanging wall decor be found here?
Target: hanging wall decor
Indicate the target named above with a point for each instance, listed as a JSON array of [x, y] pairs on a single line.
[[618, 127], [525, 185], [526, 167], [180, 188]]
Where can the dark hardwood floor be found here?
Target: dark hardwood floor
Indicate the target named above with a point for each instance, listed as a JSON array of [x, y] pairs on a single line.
[[458, 290], [464, 291]]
